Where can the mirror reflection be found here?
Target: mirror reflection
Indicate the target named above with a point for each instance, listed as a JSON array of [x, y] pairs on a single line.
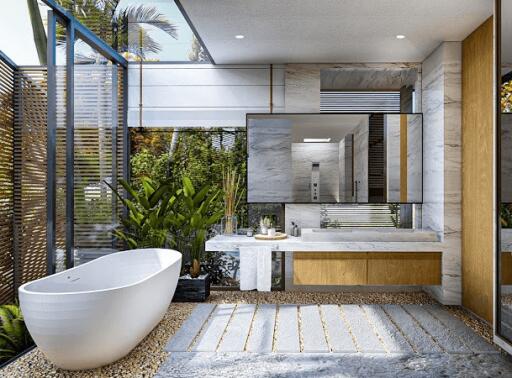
[[335, 158]]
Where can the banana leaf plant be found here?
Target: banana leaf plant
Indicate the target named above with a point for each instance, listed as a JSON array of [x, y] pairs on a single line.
[[196, 213], [14, 336], [150, 215]]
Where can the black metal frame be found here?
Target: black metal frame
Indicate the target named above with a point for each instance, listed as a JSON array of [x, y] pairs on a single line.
[[248, 115], [74, 29]]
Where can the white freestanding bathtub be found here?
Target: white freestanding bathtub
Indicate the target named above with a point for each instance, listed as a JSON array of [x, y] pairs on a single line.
[[96, 313]]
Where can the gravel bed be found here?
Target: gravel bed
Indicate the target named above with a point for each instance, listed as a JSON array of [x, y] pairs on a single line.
[[480, 326], [283, 297], [143, 361]]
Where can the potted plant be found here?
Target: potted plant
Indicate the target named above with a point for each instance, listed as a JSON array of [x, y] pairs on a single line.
[[265, 225], [232, 196], [196, 212]]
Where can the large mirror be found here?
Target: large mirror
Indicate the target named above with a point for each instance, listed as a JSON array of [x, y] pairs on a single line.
[[504, 220], [334, 158]]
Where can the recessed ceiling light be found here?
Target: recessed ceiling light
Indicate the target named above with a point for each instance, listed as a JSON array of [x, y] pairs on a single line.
[[400, 36], [317, 140], [239, 36]]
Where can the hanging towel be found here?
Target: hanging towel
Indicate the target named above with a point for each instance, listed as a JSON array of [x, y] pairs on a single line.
[[256, 268], [264, 281]]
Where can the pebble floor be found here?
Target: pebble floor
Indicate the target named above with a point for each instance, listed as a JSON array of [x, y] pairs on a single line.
[[253, 340]]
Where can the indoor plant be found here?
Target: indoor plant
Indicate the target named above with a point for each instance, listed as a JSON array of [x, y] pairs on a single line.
[[232, 196], [14, 336], [150, 215], [195, 214]]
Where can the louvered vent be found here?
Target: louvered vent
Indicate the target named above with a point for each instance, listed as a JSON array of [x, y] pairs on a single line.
[[370, 215], [359, 102]]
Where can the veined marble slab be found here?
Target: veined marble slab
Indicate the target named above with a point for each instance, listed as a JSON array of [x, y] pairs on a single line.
[[370, 235], [232, 243]]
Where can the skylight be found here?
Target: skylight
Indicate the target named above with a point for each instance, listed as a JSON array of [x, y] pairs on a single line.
[[166, 36]]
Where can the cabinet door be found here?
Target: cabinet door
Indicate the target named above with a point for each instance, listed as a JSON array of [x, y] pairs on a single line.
[[329, 268], [404, 268]]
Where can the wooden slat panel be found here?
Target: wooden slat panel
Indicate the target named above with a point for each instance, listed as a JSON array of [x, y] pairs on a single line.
[[30, 103], [329, 268], [404, 268], [477, 171], [6, 183]]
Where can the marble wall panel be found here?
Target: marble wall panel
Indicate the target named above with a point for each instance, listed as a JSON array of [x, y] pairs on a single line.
[[269, 165]]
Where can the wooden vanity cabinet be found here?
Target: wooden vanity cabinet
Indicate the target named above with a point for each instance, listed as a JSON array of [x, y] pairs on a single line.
[[367, 268]]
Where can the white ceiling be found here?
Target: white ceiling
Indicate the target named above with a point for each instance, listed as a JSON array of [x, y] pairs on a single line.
[[331, 31]]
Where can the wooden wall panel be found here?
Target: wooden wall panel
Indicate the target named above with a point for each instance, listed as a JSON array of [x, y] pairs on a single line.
[[477, 171]]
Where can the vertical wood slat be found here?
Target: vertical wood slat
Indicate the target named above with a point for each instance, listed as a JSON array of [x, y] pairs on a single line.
[[30, 104], [6, 182]]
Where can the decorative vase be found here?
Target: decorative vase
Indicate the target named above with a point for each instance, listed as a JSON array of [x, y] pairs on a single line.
[[229, 225], [271, 232], [263, 230]]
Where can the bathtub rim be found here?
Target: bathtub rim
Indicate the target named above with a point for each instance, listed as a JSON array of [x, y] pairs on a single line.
[[22, 288]]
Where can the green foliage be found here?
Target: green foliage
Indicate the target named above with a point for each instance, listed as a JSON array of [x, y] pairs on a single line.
[[199, 155], [196, 212], [506, 216], [150, 215], [14, 336]]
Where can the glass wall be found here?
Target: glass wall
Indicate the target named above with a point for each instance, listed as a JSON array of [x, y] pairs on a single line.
[[504, 176]]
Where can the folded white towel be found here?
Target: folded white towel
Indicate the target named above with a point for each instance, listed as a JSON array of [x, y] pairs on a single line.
[[256, 268]]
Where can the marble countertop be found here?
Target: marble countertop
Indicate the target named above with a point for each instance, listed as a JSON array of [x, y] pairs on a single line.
[[232, 243]]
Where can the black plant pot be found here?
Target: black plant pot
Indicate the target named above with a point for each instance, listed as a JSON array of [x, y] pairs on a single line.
[[192, 289]]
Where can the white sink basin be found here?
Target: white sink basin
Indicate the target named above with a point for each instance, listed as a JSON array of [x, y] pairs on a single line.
[[368, 235]]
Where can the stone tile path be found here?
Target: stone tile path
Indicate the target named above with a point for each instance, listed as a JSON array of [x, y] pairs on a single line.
[[325, 329], [248, 340]]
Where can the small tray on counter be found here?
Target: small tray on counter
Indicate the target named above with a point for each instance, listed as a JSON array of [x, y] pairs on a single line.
[[278, 236]]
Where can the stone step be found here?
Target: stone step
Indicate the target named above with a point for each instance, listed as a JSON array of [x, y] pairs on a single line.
[[262, 332], [287, 337], [312, 330]]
